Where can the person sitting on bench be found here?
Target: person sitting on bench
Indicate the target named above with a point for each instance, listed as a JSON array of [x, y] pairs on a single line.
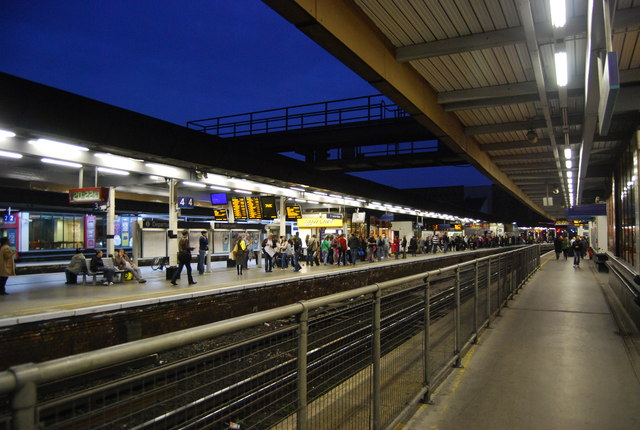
[[76, 266], [97, 265], [123, 262]]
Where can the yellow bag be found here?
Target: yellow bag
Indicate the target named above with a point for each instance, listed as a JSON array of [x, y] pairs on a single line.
[[128, 276]]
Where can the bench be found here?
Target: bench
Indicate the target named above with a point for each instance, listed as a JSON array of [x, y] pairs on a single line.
[[108, 262]]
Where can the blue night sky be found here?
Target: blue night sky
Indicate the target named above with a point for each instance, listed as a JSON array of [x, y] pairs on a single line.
[[185, 60]]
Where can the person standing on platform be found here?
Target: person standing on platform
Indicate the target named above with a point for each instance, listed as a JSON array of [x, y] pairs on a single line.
[[97, 265], [576, 246], [7, 264], [248, 242], [269, 250], [404, 246], [371, 248], [76, 266], [325, 246], [557, 246], [291, 255], [413, 246], [312, 251], [354, 248], [435, 240], [123, 262], [202, 251], [396, 247], [184, 259], [239, 254], [566, 246]]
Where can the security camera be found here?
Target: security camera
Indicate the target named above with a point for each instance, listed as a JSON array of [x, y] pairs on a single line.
[[532, 136]]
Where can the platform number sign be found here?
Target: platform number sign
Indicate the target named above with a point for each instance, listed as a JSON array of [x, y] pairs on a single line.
[[185, 202]]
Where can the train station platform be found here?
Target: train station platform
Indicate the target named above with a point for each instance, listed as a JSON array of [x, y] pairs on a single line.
[[555, 359], [40, 297]]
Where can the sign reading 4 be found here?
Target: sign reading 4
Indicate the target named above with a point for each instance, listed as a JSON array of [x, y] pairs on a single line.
[[185, 202]]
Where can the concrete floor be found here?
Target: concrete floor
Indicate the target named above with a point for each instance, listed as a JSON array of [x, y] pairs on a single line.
[[554, 360]]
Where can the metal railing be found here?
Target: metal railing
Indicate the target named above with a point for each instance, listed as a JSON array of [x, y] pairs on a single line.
[[353, 360], [330, 113]]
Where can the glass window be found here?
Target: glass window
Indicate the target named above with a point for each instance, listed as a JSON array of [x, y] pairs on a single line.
[[626, 190]]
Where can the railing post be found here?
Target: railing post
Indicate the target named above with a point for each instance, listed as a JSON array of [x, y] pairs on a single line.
[[24, 399], [376, 351], [499, 286], [489, 293], [476, 303], [427, 341], [457, 319], [303, 340]]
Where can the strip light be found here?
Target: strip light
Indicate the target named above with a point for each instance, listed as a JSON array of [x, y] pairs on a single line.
[[6, 133], [61, 162], [216, 187], [54, 145], [243, 191], [113, 171], [567, 153], [558, 13], [194, 184], [562, 72], [9, 154]]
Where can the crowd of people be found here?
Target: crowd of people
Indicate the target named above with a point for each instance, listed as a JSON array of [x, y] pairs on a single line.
[[578, 248], [342, 250]]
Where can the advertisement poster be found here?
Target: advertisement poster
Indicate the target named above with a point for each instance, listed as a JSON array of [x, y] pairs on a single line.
[[125, 233], [89, 231]]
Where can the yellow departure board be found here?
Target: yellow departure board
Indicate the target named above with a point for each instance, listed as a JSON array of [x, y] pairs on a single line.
[[239, 206], [220, 215], [294, 212], [268, 207], [254, 210]]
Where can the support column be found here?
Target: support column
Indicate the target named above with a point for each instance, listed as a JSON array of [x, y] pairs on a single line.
[[81, 177], [283, 216], [111, 216], [173, 223]]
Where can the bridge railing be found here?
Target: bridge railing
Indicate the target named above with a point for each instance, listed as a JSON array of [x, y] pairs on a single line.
[[330, 113], [350, 360]]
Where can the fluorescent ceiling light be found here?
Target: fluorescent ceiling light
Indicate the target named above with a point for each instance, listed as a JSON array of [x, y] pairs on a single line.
[[61, 162], [320, 193], [569, 174], [376, 203], [300, 200], [6, 133], [558, 12], [113, 171], [215, 187], [335, 196], [569, 164], [54, 145], [156, 178], [243, 191], [562, 71], [361, 200], [194, 184], [9, 154], [567, 153], [162, 169], [297, 189]]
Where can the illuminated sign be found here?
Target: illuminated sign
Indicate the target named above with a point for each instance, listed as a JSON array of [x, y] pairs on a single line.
[[319, 222], [293, 213], [220, 215], [239, 207], [268, 207], [185, 202], [9, 219], [88, 195], [457, 226], [254, 210]]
